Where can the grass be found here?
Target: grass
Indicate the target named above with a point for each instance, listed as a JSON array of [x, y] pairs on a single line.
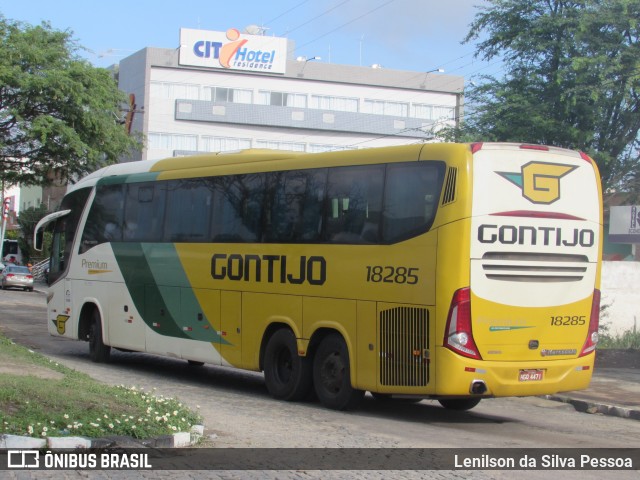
[[629, 339], [53, 400]]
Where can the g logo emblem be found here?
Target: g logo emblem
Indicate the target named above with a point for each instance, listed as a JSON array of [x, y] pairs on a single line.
[[539, 182], [60, 322]]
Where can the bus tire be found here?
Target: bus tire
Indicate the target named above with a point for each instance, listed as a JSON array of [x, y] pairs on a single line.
[[287, 375], [332, 375], [459, 404], [98, 351]]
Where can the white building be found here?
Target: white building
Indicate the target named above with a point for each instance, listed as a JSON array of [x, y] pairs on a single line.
[[227, 91]]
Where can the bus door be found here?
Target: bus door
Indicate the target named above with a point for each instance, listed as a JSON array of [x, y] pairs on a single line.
[[59, 298]]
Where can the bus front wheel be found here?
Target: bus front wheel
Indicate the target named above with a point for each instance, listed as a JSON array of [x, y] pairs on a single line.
[[332, 375], [286, 374], [459, 404], [98, 351]]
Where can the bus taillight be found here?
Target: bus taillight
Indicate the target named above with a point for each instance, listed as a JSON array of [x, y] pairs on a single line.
[[592, 337], [458, 335]]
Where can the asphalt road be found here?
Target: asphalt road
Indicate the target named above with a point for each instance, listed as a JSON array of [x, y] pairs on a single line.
[[239, 413]]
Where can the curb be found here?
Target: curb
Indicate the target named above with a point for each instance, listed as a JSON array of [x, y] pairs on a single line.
[[176, 440], [585, 406]]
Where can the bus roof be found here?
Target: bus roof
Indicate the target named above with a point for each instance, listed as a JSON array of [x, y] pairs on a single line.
[[276, 159]]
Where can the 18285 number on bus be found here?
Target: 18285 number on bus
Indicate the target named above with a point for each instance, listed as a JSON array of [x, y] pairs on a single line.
[[389, 274]]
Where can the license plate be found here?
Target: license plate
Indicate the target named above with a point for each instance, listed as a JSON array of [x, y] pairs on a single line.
[[531, 375]]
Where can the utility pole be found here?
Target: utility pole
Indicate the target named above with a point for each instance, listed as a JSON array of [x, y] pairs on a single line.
[[4, 223]]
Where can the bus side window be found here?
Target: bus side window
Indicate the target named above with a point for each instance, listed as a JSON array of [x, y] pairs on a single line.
[[411, 199], [354, 204], [188, 204], [105, 219], [295, 200], [144, 212], [237, 213]]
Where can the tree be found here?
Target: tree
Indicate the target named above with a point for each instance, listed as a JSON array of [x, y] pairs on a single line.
[[572, 79], [27, 220], [59, 115]]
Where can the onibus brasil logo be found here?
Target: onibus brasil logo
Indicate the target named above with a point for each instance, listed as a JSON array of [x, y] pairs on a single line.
[[539, 181]]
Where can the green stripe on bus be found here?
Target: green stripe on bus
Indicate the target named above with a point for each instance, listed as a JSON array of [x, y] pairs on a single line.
[[162, 293], [131, 178]]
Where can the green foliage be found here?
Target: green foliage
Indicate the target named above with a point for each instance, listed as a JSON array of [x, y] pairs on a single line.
[[58, 114], [74, 404], [572, 80], [629, 339], [28, 219]]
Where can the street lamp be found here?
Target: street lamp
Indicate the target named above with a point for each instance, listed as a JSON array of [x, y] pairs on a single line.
[[306, 60], [426, 74]]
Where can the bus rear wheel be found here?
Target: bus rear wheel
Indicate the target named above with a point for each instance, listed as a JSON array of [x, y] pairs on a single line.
[[459, 404], [332, 375], [286, 374], [98, 351]]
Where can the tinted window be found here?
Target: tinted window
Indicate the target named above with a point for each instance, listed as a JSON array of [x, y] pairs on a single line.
[[238, 208], [188, 211], [411, 198], [64, 232], [105, 220], [144, 212], [295, 201], [354, 204]]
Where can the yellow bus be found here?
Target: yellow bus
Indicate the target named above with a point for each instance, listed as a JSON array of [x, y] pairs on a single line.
[[453, 272]]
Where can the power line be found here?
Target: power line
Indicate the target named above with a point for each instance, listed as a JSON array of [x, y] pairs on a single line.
[[316, 17], [284, 13], [348, 23]]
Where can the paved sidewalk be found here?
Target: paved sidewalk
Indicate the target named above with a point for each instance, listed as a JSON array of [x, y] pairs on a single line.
[[614, 388]]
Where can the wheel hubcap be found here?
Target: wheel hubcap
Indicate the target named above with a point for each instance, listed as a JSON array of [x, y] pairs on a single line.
[[332, 372], [284, 365]]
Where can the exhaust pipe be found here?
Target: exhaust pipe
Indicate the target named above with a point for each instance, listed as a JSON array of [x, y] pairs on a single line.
[[478, 387]]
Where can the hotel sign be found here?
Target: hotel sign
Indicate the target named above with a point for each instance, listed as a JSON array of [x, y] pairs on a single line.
[[624, 224], [233, 50]]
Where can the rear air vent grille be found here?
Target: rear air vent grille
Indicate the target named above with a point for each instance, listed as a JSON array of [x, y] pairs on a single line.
[[534, 267], [449, 194], [404, 343]]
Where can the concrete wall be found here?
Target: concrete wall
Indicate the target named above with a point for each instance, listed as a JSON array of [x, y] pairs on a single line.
[[621, 293]]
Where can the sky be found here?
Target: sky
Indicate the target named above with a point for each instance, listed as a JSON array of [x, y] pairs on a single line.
[[415, 35]]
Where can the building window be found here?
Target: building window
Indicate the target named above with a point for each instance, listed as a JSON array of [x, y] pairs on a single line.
[[341, 104], [444, 113], [282, 99], [174, 91], [319, 148], [167, 141], [383, 107], [432, 112], [275, 145], [223, 144], [224, 94]]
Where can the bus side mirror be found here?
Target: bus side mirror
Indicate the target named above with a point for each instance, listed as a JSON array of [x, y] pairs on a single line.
[[38, 240]]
